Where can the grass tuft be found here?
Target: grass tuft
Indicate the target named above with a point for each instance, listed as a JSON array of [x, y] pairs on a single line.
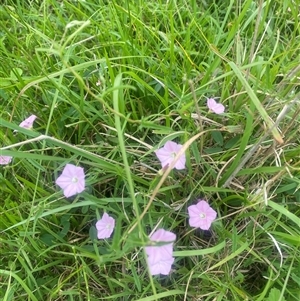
[[110, 82]]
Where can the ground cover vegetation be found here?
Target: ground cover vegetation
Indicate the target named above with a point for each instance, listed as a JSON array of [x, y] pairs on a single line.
[[149, 150]]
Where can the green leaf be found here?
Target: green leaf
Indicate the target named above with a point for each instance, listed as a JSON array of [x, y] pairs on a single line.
[[275, 295], [217, 136], [256, 102]]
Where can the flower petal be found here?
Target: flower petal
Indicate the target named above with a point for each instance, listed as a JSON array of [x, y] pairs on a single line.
[[201, 215], [160, 267], [105, 226], [167, 153], [28, 122], [4, 160], [163, 235], [71, 180], [215, 107], [160, 256]]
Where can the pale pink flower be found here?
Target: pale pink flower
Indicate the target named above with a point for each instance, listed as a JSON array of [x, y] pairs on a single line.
[[201, 215], [28, 122], [4, 160], [162, 266], [71, 180], [160, 254], [105, 226], [215, 107], [165, 241], [168, 152]]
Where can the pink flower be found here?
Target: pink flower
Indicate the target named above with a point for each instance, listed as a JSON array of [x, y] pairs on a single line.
[[215, 107], [4, 160], [160, 255], [28, 123], [201, 215], [71, 180], [105, 226], [162, 266], [166, 249], [167, 154]]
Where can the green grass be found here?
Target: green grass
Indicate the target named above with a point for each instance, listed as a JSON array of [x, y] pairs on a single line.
[[112, 81]]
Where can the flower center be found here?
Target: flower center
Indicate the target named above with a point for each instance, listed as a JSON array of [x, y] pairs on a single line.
[[173, 155], [202, 215], [74, 180]]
